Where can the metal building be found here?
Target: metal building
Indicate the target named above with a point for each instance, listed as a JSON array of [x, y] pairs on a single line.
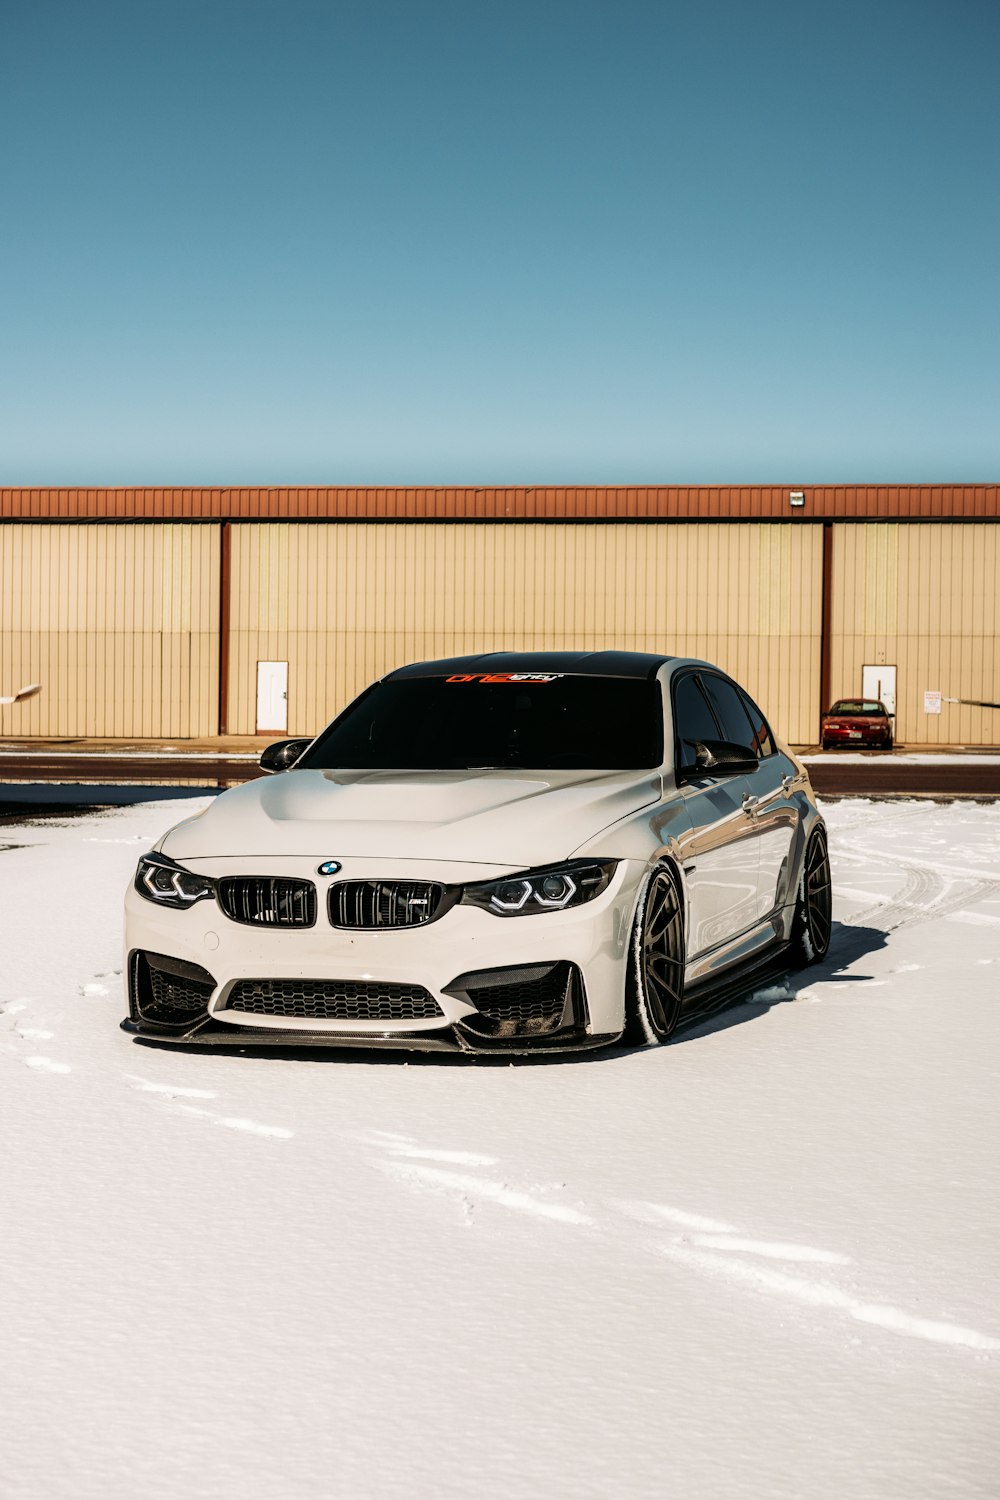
[[195, 612]]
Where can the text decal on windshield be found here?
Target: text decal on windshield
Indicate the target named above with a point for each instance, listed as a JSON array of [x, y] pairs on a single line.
[[504, 677]]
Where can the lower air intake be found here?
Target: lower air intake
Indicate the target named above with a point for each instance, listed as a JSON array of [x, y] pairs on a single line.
[[535, 1000], [333, 1000], [167, 991], [540, 999]]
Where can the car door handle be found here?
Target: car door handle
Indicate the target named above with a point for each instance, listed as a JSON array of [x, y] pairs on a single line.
[[749, 802], [787, 782]]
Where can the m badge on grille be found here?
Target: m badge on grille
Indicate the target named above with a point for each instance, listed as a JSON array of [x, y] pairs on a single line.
[[329, 867]]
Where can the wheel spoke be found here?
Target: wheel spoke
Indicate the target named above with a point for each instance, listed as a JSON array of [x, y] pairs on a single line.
[[661, 918], [662, 956], [667, 958], [818, 895]]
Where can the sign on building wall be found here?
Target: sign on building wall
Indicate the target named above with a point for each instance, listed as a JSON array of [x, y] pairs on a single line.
[[932, 703]]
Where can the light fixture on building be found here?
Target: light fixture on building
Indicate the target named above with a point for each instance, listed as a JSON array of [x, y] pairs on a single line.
[[796, 498]]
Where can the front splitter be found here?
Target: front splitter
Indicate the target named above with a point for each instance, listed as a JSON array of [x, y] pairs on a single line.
[[212, 1036]]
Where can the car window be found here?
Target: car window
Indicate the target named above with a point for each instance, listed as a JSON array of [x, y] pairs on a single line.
[[762, 741], [694, 721], [856, 706], [542, 721], [729, 710]]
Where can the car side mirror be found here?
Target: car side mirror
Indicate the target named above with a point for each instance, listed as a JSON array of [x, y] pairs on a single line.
[[718, 758], [282, 755]]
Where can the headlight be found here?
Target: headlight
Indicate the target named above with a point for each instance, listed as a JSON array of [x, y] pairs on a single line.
[[551, 889], [168, 884]]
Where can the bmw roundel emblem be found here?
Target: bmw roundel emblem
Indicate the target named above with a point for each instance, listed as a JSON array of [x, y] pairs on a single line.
[[329, 867]]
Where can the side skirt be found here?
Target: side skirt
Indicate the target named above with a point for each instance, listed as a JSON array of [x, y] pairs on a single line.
[[713, 995]]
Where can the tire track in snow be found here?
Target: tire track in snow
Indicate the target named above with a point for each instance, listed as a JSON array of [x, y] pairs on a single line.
[[502, 1193], [172, 1098], [979, 890], [825, 1295], [29, 1035], [927, 892], [168, 1096], [705, 1246], [46, 1065], [921, 889]]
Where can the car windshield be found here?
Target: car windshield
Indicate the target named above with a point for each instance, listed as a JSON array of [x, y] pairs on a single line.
[[543, 721], [865, 708]]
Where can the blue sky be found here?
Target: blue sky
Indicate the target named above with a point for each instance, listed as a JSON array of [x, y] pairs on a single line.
[[446, 241]]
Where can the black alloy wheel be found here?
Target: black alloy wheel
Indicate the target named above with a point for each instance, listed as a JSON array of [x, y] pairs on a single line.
[[655, 985], [813, 919]]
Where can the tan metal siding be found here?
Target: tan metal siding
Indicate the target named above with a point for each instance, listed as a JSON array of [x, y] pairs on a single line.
[[119, 623], [927, 600], [509, 503], [345, 603]]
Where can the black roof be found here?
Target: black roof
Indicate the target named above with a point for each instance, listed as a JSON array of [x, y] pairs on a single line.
[[572, 663]]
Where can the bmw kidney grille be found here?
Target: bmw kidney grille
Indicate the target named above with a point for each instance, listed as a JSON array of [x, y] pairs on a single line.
[[259, 901], [368, 904]]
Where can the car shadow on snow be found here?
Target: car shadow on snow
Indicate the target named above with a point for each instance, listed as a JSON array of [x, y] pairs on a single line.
[[848, 944]]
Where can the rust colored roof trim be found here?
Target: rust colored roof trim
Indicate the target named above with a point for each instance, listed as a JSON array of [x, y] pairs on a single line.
[[967, 502]]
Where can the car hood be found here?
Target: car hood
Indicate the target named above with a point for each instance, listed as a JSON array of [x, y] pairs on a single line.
[[514, 818]]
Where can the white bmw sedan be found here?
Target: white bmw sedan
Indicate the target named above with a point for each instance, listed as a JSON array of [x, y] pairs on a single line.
[[504, 853]]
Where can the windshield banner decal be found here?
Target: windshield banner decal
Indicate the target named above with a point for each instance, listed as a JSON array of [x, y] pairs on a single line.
[[530, 677]]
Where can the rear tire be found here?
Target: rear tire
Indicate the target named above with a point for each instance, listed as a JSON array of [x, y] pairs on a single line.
[[813, 919], [654, 984]]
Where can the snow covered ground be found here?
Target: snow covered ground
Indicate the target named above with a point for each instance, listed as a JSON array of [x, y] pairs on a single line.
[[760, 1262]]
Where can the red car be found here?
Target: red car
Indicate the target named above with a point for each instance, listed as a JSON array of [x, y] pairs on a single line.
[[857, 721]]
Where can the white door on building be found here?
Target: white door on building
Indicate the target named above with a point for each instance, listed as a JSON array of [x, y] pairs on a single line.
[[880, 682], [272, 696]]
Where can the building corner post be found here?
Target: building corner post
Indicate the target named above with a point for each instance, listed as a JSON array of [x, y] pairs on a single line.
[[225, 529], [826, 627]]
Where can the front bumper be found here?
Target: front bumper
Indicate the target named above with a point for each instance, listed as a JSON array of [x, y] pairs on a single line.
[[856, 737], [476, 972]]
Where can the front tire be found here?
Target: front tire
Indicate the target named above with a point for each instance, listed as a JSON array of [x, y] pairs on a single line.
[[813, 919], [654, 985]]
